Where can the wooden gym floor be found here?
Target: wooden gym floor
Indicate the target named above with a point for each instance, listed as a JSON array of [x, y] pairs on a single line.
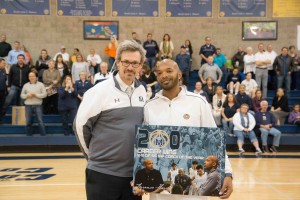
[[53, 176]]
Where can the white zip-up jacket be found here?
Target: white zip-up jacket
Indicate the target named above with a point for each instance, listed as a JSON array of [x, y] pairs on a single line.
[[187, 109]]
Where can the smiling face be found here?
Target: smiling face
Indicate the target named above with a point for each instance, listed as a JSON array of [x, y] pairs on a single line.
[[127, 74], [168, 74]]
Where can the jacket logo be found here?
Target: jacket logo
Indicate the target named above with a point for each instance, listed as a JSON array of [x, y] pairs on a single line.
[[117, 100], [141, 99], [186, 116]]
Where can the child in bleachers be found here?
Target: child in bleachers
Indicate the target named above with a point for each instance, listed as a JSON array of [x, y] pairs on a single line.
[[294, 117]]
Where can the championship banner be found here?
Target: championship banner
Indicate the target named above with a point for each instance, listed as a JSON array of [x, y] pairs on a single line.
[[81, 7], [183, 8], [244, 8], [25, 7], [135, 8], [179, 160], [288, 8]]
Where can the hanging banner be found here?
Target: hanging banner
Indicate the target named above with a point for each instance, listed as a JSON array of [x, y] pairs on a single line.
[[135, 8], [25, 7], [185, 159], [183, 8], [284, 8], [81, 7], [242, 8]]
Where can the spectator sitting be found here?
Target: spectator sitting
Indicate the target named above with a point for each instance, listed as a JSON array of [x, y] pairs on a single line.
[[265, 121], [65, 55], [42, 64], [62, 67], [149, 78], [81, 86], [257, 100], [251, 85], [52, 80], [209, 88], [210, 69], [76, 52], [103, 74], [280, 106], [67, 104], [242, 97], [217, 104], [294, 117], [233, 81], [183, 61], [198, 90], [79, 66], [33, 92], [230, 107], [244, 123], [94, 60]]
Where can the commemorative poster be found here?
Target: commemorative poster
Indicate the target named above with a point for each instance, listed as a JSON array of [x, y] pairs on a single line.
[[179, 160], [135, 8], [25, 7], [183, 8], [80, 8], [242, 8]]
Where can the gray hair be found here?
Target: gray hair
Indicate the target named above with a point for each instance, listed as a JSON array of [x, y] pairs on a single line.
[[262, 102], [130, 45]]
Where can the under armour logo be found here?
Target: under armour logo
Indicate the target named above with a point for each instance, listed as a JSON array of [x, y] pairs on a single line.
[[117, 100], [141, 99]]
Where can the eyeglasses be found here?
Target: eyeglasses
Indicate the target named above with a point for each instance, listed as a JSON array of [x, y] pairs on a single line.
[[133, 64]]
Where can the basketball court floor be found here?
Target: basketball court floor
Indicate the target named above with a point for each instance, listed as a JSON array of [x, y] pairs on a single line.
[[53, 176]]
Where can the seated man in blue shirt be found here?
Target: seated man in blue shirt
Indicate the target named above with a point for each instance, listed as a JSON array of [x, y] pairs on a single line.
[[265, 121]]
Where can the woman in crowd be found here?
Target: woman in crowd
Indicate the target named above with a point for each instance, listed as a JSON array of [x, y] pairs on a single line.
[[81, 86], [217, 104], [189, 50], [94, 60], [42, 64], [294, 117], [111, 50], [149, 78], [209, 88], [62, 67], [67, 104], [256, 100], [249, 61], [79, 66], [166, 47], [251, 85], [280, 106], [27, 54], [230, 107], [74, 55], [51, 80], [244, 123], [103, 74], [296, 61]]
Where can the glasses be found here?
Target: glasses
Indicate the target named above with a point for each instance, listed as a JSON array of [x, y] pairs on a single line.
[[133, 64]]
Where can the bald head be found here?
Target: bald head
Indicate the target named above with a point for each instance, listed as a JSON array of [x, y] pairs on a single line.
[[167, 62], [211, 162], [148, 164]]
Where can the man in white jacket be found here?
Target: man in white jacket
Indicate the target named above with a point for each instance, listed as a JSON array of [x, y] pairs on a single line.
[[174, 106]]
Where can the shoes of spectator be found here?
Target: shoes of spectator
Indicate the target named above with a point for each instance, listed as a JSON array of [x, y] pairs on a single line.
[[241, 151], [265, 149], [231, 135], [258, 152], [273, 149]]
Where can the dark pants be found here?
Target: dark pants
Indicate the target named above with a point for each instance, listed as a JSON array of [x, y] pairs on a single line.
[[68, 117], [272, 80], [37, 110], [151, 62], [294, 80], [106, 187], [2, 101], [50, 104]]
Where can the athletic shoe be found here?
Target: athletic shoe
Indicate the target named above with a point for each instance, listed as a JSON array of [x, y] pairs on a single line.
[[241, 151], [273, 149], [265, 149], [258, 152]]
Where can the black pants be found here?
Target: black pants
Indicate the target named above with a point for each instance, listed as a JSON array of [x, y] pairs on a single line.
[[106, 187], [2, 101]]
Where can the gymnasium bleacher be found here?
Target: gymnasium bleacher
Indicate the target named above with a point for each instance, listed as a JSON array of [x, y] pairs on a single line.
[[16, 135]]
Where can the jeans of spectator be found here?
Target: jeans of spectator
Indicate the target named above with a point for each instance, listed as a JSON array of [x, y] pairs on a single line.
[[111, 61], [241, 135], [151, 62], [186, 78], [294, 75], [38, 111], [284, 80], [107, 187], [224, 77], [68, 117], [272, 79], [261, 78], [228, 126], [273, 131], [2, 101], [13, 98]]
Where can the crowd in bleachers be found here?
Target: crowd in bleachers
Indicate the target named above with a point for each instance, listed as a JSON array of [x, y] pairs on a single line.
[[236, 88]]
